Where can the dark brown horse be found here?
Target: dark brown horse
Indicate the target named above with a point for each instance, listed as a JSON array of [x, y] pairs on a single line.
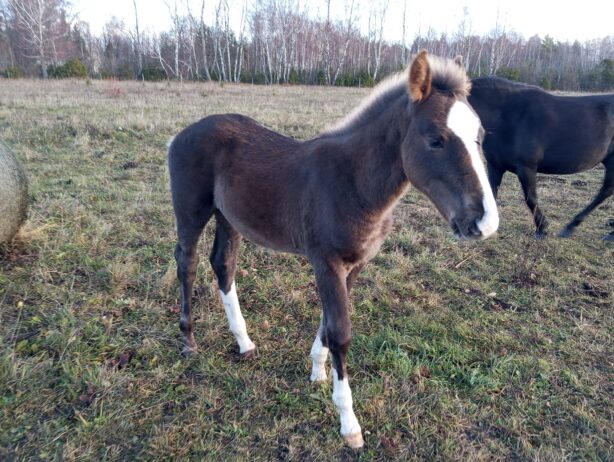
[[529, 130], [330, 198]]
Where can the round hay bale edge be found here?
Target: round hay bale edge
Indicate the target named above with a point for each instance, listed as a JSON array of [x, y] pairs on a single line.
[[13, 194]]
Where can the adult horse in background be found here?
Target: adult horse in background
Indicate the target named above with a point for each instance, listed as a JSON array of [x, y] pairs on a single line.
[[529, 131], [330, 198]]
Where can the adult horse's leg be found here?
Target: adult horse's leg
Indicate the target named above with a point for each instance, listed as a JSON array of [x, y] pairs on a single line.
[[607, 189], [319, 353], [527, 178], [336, 335], [224, 263], [190, 224], [495, 175]]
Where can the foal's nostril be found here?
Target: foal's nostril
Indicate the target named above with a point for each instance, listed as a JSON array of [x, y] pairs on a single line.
[[467, 225], [474, 229], [475, 213]]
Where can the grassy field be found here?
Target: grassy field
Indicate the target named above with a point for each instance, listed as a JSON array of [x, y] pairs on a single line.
[[499, 350]]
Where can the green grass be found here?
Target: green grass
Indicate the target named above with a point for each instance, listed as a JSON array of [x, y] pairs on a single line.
[[480, 351]]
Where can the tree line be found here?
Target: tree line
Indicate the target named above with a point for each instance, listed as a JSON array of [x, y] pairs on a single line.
[[277, 42]]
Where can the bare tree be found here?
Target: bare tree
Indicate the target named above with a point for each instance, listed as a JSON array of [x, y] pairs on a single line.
[[203, 39], [138, 46], [41, 25], [239, 54], [284, 43], [497, 42], [174, 15], [327, 38], [404, 35], [348, 36], [227, 32], [192, 35], [380, 37], [7, 55], [217, 49]]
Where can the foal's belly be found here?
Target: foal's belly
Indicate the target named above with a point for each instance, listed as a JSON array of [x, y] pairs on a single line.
[[257, 219], [262, 230], [266, 238]]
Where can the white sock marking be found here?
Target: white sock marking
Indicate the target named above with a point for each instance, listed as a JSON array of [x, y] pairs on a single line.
[[235, 319], [319, 353], [466, 125], [342, 397]]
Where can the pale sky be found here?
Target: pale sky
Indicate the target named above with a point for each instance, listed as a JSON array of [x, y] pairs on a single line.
[[562, 20]]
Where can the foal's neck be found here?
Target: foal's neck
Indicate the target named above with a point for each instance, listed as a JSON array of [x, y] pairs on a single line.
[[375, 150]]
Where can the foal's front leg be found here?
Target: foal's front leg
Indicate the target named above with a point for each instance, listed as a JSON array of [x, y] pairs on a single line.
[[336, 333], [319, 353]]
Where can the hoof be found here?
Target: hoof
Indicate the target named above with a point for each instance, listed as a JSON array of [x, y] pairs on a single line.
[[249, 355], [540, 236], [188, 351], [354, 440], [317, 379], [566, 232], [608, 238]]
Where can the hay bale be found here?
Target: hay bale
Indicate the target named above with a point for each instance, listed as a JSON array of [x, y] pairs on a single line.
[[13, 194]]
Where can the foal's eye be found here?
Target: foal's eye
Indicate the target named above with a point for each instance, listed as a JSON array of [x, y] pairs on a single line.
[[436, 143], [478, 142]]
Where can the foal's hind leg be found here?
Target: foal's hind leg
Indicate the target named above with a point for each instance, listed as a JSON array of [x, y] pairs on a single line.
[[336, 335], [189, 229], [606, 191], [224, 262], [351, 278], [319, 354], [527, 178]]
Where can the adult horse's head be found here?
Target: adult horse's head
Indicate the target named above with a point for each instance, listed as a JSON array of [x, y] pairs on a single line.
[[442, 153]]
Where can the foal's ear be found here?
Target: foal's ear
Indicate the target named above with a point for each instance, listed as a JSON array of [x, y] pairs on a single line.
[[459, 60], [420, 78]]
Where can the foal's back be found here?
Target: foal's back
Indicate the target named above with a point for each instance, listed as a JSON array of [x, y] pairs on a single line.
[[242, 169]]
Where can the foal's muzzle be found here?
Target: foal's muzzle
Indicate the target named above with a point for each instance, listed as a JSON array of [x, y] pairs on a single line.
[[466, 227]]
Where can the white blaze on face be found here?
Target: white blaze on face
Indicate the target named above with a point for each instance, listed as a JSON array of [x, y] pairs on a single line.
[[235, 319], [466, 125]]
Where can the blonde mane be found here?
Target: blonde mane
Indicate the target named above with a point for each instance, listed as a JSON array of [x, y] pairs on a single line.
[[447, 76]]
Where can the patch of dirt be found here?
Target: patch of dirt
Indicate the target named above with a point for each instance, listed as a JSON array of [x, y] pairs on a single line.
[[551, 179], [16, 253], [130, 164], [493, 302], [594, 290]]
